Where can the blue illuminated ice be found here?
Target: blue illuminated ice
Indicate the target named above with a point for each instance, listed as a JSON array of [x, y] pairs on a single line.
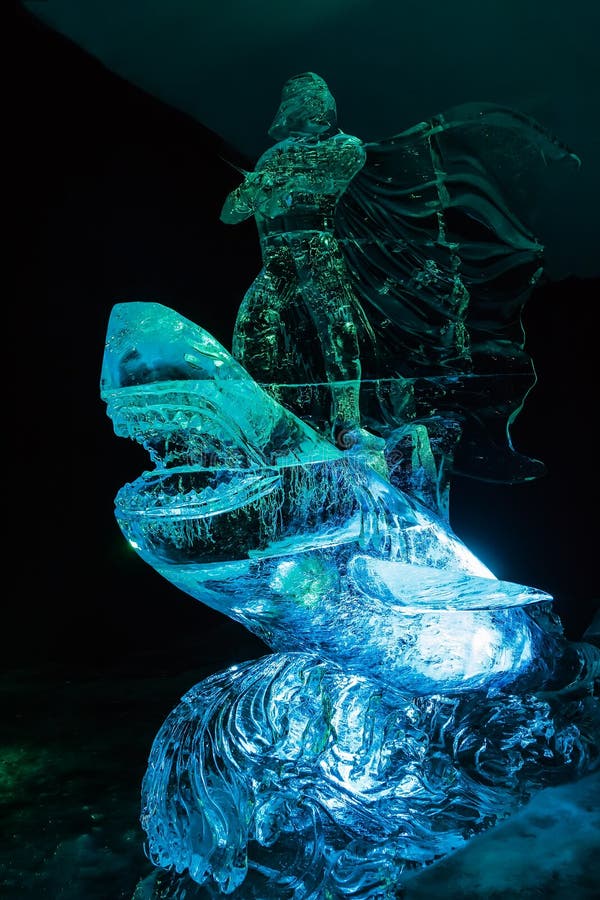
[[287, 777], [300, 486], [306, 545], [403, 668]]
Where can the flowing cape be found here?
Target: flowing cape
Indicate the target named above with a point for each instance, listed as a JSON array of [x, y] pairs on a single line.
[[434, 236]]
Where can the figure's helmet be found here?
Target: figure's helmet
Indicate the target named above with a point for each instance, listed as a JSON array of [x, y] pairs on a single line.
[[307, 107]]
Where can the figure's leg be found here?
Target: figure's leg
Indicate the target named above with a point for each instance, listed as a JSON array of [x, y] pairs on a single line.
[[258, 340], [328, 297], [335, 312], [342, 362]]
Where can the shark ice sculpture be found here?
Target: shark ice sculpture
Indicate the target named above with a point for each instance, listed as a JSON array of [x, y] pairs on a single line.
[[412, 699]]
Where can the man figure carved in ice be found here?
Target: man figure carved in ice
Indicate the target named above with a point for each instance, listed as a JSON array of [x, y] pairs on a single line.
[[293, 193]]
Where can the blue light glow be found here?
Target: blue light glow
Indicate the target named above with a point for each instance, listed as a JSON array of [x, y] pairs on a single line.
[[412, 698]]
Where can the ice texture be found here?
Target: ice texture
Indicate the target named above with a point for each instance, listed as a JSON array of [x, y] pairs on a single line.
[[315, 783], [300, 486]]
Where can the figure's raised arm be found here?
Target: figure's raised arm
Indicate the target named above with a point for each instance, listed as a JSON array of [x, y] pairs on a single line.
[[239, 204]]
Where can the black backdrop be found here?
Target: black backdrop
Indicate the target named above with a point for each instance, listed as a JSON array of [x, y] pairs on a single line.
[[118, 198]]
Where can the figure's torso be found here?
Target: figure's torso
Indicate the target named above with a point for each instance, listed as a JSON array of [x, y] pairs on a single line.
[[305, 179]]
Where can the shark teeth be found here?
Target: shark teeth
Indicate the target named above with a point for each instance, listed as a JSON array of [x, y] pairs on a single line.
[[178, 425], [191, 493]]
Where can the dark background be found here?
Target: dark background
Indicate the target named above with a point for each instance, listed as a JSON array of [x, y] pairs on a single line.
[[118, 198]]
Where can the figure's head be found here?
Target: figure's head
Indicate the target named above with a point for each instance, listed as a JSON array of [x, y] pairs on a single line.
[[307, 107]]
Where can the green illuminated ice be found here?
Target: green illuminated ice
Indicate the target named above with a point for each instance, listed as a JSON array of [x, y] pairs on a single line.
[[300, 486]]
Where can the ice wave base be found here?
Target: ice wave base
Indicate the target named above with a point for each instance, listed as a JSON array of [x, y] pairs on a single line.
[[287, 777]]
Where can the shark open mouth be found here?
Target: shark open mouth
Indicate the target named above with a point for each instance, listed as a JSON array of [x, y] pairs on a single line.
[[217, 441], [204, 465]]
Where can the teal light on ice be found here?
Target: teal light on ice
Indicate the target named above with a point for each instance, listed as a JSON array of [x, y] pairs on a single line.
[[300, 486]]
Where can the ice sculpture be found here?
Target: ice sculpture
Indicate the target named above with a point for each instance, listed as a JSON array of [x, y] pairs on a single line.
[[300, 486]]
